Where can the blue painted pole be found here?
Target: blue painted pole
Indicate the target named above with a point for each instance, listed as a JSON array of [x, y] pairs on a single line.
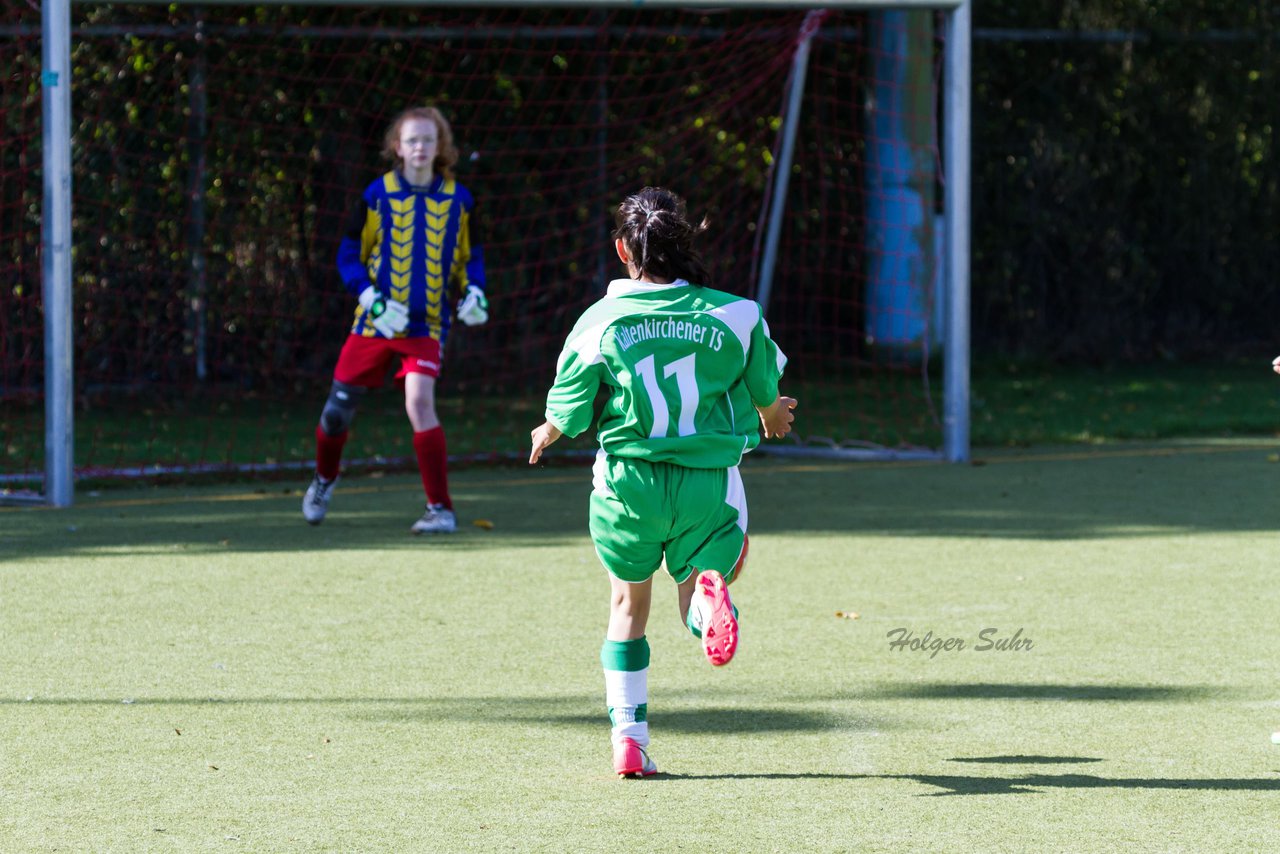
[[901, 254]]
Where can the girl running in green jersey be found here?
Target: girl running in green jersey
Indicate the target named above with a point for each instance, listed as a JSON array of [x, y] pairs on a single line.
[[692, 379]]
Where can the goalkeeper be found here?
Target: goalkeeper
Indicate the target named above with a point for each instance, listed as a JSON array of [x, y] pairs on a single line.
[[686, 369], [409, 251]]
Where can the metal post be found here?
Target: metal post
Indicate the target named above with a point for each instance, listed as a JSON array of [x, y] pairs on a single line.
[[55, 251], [782, 175], [958, 61]]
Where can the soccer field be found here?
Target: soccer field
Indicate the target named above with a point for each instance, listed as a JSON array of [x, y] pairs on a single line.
[[195, 669]]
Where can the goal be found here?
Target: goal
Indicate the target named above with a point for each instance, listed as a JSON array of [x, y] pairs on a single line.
[[170, 302]]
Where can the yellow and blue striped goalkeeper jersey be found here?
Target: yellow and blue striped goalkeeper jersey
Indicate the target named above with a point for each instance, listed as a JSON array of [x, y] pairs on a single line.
[[417, 246]]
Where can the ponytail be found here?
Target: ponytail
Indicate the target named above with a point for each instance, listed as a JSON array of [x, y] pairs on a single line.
[[655, 228]]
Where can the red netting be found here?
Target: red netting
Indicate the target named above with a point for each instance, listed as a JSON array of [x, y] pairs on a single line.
[[216, 154]]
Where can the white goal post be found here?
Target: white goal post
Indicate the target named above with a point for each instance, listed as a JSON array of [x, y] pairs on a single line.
[[56, 237]]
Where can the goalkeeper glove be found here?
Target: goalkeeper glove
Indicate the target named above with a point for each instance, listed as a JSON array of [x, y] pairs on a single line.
[[387, 316], [473, 309]]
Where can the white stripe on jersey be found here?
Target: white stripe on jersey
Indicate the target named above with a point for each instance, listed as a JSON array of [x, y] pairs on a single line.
[[782, 357], [741, 316], [586, 345]]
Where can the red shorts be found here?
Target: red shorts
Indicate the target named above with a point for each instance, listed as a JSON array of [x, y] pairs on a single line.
[[363, 361]]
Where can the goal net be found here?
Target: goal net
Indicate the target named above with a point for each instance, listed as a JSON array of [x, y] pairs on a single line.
[[216, 152]]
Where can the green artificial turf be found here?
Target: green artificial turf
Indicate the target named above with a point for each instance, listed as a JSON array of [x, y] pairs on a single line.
[[195, 669], [1019, 404]]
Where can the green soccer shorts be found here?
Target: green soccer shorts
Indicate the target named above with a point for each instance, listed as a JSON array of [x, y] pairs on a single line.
[[643, 511]]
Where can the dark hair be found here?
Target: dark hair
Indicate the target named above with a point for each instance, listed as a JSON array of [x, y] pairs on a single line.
[[446, 151], [655, 228]]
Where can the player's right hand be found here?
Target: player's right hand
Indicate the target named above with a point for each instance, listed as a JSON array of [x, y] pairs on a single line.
[[542, 435], [388, 317]]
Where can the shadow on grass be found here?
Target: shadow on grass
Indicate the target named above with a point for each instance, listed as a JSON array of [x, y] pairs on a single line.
[[1025, 760], [1051, 498], [1030, 784], [1052, 691], [1118, 492], [574, 711], [541, 711], [589, 713], [1035, 783], [175, 521], [721, 721]]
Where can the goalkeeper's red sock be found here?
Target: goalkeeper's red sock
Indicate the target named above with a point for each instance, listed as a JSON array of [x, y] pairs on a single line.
[[329, 453], [433, 465]]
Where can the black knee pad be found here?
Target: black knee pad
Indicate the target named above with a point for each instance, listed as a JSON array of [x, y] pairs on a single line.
[[340, 409]]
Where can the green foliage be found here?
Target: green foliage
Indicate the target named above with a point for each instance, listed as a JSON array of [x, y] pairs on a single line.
[[1126, 188]]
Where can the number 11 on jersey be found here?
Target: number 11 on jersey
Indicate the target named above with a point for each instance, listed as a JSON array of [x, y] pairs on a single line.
[[686, 382]]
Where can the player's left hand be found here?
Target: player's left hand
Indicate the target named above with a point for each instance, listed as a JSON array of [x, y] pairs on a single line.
[[473, 309], [776, 419]]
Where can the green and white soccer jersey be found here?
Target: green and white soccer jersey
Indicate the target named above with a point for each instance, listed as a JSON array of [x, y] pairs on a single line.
[[685, 367]]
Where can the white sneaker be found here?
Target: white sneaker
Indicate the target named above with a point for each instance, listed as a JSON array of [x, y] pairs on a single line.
[[316, 502], [437, 520]]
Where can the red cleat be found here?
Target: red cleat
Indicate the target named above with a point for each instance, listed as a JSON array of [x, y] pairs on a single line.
[[630, 760], [718, 623]]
